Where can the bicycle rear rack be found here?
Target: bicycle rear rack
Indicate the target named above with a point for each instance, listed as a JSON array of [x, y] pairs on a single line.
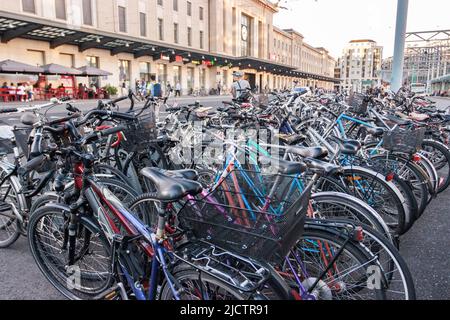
[[241, 273]]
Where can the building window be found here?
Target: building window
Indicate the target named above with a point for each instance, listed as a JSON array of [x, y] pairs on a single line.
[[175, 5], [190, 79], [124, 72], [175, 32], [92, 61], [201, 39], [200, 13], [189, 8], [162, 74], [202, 78], [189, 36], [87, 12], [28, 6], [245, 36], [161, 29], [176, 75], [67, 60], [160, 2], [36, 57], [143, 18], [60, 9], [122, 19], [144, 71]]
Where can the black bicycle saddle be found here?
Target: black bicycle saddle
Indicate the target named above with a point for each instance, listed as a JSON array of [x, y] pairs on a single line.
[[314, 152], [172, 185]]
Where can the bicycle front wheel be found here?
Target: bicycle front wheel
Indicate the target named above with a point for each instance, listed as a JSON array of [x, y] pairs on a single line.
[[48, 239]]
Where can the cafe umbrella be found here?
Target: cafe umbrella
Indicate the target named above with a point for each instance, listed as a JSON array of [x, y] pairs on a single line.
[[56, 69], [11, 66], [93, 72]]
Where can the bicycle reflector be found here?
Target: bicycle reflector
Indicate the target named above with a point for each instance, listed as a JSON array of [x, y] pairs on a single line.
[[358, 234], [416, 157], [390, 177]]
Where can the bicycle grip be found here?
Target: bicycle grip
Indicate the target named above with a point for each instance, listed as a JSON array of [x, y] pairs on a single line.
[[36, 147], [8, 110], [173, 109], [34, 163], [108, 132], [119, 99]]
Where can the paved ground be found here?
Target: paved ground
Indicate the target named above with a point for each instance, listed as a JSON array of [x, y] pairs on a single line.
[[425, 248]]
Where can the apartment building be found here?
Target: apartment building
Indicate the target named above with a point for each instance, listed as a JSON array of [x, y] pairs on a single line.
[[198, 43], [360, 65]]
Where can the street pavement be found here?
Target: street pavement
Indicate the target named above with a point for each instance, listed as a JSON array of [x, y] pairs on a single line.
[[425, 248]]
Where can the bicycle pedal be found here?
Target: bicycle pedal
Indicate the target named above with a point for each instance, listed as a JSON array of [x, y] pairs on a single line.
[[108, 294]]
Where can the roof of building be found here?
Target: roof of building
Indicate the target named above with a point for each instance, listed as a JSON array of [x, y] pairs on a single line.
[[294, 32], [445, 78], [362, 40], [282, 32], [268, 4]]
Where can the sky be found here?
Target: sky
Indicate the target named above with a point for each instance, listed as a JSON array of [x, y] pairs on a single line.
[[333, 23]]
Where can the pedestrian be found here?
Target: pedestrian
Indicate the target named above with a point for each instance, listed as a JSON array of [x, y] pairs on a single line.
[[157, 90], [123, 89], [12, 91], [168, 88], [149, 86], [240, 87], [21, 92], [178, 89], [29, 91], [219, 88]]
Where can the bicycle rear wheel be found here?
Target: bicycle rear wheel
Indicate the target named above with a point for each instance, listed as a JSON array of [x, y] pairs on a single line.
[[439, 155], [330, 266], [372, 188]]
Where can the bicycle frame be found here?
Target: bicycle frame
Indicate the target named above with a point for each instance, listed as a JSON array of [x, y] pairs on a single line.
[[101, 200]]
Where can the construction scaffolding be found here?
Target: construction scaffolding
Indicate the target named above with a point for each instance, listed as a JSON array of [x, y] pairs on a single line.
[[427, 57]]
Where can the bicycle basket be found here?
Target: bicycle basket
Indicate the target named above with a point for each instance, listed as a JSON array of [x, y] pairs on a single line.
[[19, 134], [261, 100], [140, 133], [404, 141], [358, 103], [243, 215]]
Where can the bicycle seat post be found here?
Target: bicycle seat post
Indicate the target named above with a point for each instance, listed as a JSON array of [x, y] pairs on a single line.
[[161, 220]]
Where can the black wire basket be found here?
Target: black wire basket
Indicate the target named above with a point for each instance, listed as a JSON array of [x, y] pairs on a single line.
[[243, 215], [358, 103], [404, 141], [21, 135], [140, 133]]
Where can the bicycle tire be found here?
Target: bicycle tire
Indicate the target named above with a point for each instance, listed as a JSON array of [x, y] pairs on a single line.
[[55, 274]]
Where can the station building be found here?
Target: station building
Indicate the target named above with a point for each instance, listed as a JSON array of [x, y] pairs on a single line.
[[198, 43]]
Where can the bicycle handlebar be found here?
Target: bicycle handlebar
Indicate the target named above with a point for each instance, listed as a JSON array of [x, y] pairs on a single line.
[[100, 134]]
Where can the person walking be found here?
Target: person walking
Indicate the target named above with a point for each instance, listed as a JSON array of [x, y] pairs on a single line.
[[240, 86], [178, 89]]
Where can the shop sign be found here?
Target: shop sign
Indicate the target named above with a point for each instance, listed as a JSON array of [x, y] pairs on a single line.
[[163, 57]]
